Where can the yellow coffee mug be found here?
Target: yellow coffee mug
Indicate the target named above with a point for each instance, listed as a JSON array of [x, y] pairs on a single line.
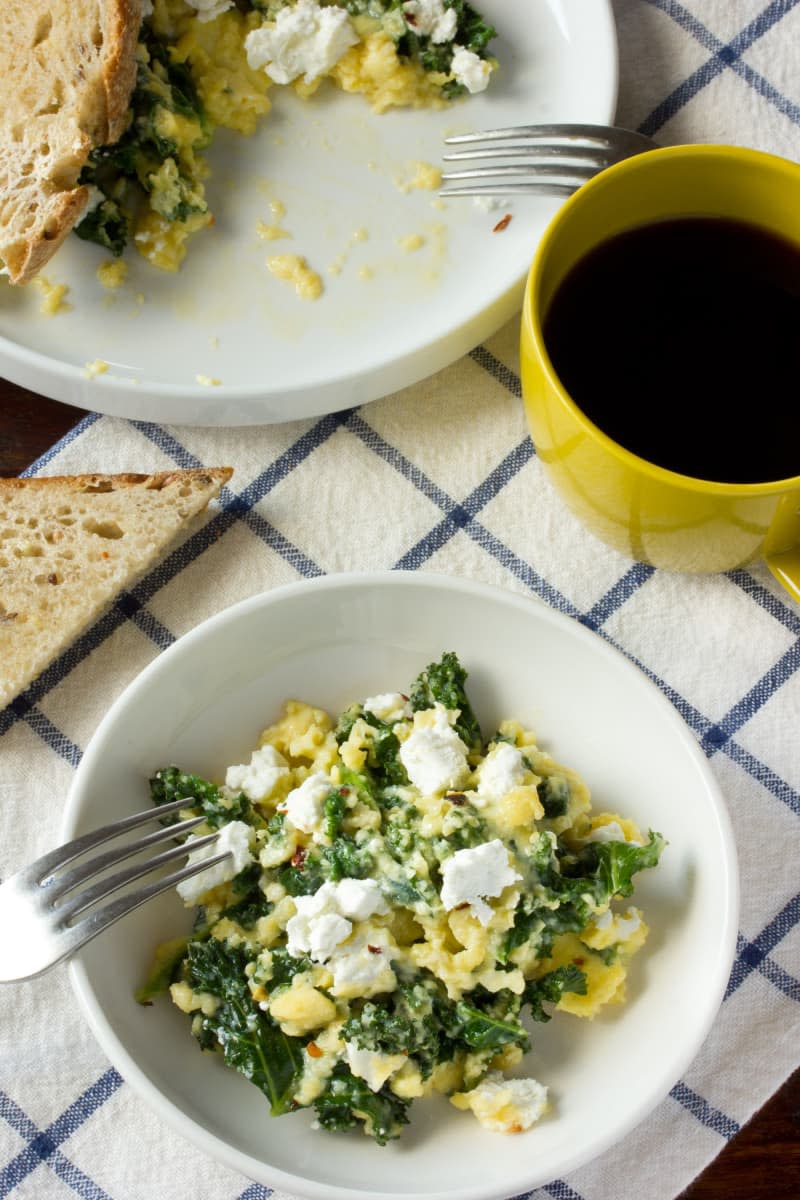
[[655, 515]]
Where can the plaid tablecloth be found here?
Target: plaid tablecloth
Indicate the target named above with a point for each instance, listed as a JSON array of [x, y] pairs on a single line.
[[423, 495]]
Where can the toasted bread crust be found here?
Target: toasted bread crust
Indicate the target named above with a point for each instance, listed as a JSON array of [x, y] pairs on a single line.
[[99, 482], [70, 544], [67, 69]]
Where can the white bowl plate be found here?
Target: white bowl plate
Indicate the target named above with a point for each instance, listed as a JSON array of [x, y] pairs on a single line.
[[387, 319], [202, 705]]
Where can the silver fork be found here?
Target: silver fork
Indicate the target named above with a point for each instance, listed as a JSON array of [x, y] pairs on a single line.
[[546, 160], [46, 912]]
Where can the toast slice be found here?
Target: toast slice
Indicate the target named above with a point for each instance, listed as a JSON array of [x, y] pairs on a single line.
[[70, 544], [67, 70]]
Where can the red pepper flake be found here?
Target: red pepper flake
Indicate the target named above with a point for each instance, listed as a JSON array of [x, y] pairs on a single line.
[[299, 857], [502, 224], [313, 1049], [578, 962], [374, 949], [457, 798]]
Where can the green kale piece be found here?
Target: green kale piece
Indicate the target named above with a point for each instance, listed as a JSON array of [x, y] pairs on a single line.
[[383, 767], [333, 810], [285, 966], [411, 1020], [132, 162], [550, 988], [553, 793], [347, 1102], [473, 33], [443, 682], [107, 226], [250, 1041], [481, 1030], [346, 722], [250, 903], [171, 783], [343, 859], [610, 866], [571, 884]]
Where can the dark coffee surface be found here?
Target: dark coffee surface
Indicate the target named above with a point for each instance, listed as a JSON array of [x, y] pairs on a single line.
[[680, 341]]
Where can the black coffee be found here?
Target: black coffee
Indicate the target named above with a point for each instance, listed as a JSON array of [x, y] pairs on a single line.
[[681, 341]]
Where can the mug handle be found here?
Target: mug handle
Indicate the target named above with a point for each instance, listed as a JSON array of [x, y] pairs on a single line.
[[782, 545], [786, 569]]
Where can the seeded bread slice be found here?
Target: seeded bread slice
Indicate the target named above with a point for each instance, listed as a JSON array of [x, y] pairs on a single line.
[[70, 544], [67, 69]]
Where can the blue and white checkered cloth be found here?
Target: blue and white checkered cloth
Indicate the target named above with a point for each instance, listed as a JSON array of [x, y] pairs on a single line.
[[724, 649]]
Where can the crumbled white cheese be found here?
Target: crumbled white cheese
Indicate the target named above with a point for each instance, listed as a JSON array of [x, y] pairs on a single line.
[[235, 839], [389, 706], [470, 69], [324, 919], [624, 925], [430, 18], [501, 770], [96, 198], [305, 39], [374, 1068], [434, 756], [507, 1105], [612, 831], [360, 899], [362, 966], [472, 874], [305, 804], [208, 9], [258, 778]]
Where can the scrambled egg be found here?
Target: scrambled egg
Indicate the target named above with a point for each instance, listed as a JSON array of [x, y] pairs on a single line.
[[399, 890]]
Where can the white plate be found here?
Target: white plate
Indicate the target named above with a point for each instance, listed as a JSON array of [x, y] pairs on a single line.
[[202, 705], [334, 165]]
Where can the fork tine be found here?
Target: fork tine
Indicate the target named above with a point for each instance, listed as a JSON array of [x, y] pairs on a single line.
[[45, 866], [554, 160], [576, 172], [549, 150], [543, 187], [112, 883], [75, 936], [613, 137], [59, 884]]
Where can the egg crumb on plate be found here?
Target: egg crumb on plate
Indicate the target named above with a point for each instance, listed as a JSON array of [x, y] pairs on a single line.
[[53, 296], [401, 891], [293, 269], [204, 64]]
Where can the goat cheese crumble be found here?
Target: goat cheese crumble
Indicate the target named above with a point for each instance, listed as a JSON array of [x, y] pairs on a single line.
[[307, 39]]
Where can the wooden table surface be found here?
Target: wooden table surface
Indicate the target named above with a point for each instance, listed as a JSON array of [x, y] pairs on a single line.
[[763, 1161]]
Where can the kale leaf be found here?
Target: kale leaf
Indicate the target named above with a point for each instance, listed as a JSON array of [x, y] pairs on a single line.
[[443, 682], [249, 1039], [549, 989], [553, 792], [171, 783], [348, 1101], [106, 225], [610, 866]]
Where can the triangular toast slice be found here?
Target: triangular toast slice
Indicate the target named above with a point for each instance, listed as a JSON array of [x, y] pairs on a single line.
[[67, 69], [70, 544]]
